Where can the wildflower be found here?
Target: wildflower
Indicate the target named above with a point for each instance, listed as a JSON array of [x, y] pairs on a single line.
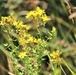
[[39, 41], [30, 39], [18, 24], [38, 15], [15, 23], [7, 20], [22, 54], [45, 18], [55, 56], [29, 14], [39, 11], [2, 23], [22, 41]]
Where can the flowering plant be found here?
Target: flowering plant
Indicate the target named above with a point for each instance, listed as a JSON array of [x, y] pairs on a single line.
[[27, 51]]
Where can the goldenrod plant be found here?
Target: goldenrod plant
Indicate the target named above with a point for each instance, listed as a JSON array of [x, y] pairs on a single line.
[[27, 55]]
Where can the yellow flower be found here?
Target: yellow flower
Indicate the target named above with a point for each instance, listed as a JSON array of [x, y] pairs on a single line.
[[22, 54], [7, 20], [22, 41], [55, 56], [39, 11], [15, 23], [29, 14], [30, 39], [18, 24], [38, 15], [58, 60], [39, 41], [45, 18], [2, 23]]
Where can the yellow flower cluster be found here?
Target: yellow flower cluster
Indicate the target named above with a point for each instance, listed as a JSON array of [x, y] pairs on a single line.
[[24, 38], [18, 24], [38, 15], [7, 20], [22, 54], [28, 39], [55, 56]]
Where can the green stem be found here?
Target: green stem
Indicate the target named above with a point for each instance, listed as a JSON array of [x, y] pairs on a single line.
[[62, 70], [11, 41], [39, 32], [54, 67], [68, 67]]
